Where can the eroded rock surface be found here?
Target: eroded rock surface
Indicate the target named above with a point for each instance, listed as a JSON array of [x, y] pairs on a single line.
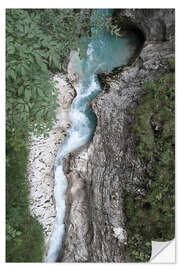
[[155, 24], [100, 172]]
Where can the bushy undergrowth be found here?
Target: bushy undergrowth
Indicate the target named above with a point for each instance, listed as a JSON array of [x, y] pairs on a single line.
[[151, 216], [24, 235]]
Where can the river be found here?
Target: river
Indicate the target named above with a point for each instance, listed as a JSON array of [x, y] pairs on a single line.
[[104, 52]]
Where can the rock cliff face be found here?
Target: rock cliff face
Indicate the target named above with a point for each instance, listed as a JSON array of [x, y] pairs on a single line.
[[100, 172]]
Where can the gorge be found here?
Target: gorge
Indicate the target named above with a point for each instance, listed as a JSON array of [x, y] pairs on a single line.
[[104, 53], [97, 167]]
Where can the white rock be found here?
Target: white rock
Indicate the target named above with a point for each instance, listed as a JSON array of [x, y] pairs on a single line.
[[42, 154], [120, 234]]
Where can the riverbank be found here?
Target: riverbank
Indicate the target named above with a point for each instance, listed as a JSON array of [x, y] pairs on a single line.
[[42, 154]]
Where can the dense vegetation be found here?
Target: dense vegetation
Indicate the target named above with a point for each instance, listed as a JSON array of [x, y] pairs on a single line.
[[24, 235], [38, 43], [151, 216]]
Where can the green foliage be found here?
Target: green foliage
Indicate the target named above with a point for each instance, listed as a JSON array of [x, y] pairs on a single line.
[[30, 92], [24, 235], [151, 216], [12, 233], [105, 22], [171, 61]]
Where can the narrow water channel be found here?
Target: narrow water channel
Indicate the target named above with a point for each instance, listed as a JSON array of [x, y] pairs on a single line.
[[104, 53]]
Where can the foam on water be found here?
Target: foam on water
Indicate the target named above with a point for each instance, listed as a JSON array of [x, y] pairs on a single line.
[[104, 53]]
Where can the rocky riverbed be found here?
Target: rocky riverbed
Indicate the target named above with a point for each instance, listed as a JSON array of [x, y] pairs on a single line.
[[42, 154]]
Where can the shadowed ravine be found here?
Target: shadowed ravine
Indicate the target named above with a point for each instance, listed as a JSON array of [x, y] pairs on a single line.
[[104, 53]]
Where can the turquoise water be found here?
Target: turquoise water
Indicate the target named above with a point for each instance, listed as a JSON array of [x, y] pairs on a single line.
[[104, 53]]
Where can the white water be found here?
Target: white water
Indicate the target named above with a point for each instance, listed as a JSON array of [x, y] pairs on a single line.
[[104, 53], [78, 135]]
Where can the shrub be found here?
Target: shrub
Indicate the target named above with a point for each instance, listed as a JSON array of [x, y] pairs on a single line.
[[24, 235], [151, 216]]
